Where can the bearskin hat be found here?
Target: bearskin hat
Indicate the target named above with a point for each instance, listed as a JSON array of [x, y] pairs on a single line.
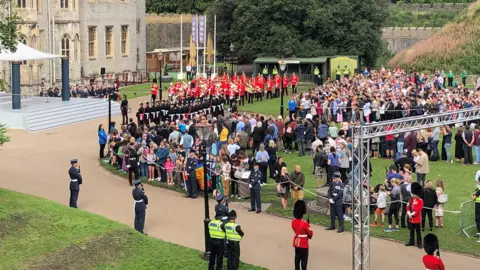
[[416, 189], [299, 209], [430, 243]]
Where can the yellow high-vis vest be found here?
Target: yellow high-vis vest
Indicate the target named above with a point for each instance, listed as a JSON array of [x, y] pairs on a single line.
[[215, 230], [232, 234]]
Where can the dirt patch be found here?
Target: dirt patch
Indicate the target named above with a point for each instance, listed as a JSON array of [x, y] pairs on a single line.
[[99, 250], [14, 225]]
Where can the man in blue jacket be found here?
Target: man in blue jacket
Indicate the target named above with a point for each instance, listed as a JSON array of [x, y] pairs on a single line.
[[292, 106]]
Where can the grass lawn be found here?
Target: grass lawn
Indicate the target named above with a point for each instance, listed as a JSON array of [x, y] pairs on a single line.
[[138, 89], [39, 234]]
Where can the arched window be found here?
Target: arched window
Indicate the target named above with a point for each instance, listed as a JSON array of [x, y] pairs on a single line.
[[75, 48], [22, 3], [23, 39], [66, 46]]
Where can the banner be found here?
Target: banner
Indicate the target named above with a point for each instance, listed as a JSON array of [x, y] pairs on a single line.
[[201, 29], [194, 29]]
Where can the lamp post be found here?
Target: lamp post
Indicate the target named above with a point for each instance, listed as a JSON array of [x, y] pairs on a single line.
[[160, 58], [232, 49], [282, 65], [202, 133]]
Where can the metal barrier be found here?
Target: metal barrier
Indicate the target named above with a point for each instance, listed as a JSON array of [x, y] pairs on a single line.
[[467, 217]]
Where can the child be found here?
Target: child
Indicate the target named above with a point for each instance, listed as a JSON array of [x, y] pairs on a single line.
[[151, 158], [179, 167], [381, 205], [169, 168]]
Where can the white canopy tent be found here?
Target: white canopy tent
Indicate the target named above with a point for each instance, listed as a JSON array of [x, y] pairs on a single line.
[[24, 53]]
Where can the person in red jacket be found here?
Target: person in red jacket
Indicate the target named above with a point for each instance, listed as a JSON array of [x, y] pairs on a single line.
[[285, 84], [269, 87], [302, 233], [432, 260], [414, 214], [294, 81], [277, 82], [241, 89], [154, 90]]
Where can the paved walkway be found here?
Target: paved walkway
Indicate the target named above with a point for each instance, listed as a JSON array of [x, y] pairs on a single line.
[[37, 164]]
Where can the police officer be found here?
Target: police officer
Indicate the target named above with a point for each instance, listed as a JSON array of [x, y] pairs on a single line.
[[132, 166], [338, 73], [75, 182], [346, 72], [255, 180], [265, 72], [192, 179], [221, 208], [316, 75], [140, 201], [217, 242], [335, 196], [234, 234]]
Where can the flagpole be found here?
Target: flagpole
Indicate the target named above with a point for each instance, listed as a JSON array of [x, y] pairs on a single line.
[[215, 46], [180, 76], [197, 37], [205, 48]]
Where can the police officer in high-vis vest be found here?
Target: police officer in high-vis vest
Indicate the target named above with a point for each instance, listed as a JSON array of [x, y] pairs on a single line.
[[234, 234], [75, 182], [274, 71], [338, 73], [217, 242], [346, 72], [316, 73], [476, 199], [265, 72], [140, 201]]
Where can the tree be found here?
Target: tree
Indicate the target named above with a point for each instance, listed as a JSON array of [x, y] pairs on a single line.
[[8, 30], [306, 28], [178, 6], [3, 135], [224, 10]]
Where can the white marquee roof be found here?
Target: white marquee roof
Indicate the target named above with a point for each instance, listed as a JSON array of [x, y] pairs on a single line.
[[24, 53]]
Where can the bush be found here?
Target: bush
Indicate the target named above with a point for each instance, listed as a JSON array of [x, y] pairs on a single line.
[[406, 18]]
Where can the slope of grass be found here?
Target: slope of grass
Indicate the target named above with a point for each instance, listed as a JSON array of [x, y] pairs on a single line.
[[39, 234], [454, 47]]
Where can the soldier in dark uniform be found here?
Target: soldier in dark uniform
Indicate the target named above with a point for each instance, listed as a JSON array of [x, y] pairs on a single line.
[[132, 166], [124, 109], [75, 182], [335, 196], [192, 178], [147, 117], [255, 180], [140, 114], [221, 208], [140, 200]]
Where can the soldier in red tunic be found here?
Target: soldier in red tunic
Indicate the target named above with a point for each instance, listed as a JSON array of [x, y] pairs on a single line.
[[414, 214], [285, 84], [154, 90], [432, 260], [277, 82], [294, 81], [302, 233], [269, 87]]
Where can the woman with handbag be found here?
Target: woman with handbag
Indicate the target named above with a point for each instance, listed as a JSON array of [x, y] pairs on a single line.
[[283, 187], [442, 199], [277, 169]]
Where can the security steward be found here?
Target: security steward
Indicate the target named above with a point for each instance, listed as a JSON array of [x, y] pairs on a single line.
[[217, 242], [265, 72], [346, 72], [132, 166], [476, 198], [302, 233], [234, 234], [338, 73], [316, 75], [75, 182], [335, 196], [140, 201]]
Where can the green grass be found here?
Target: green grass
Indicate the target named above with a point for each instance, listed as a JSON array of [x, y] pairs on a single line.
[[39, 234], [138, 89]]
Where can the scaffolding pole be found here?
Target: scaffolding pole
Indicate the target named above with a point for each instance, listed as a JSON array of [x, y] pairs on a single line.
[[361, 136]]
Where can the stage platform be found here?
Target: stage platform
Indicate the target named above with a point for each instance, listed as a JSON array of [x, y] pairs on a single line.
[[42, 113]]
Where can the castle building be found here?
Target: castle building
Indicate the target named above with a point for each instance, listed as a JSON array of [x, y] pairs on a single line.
[[93, 34]]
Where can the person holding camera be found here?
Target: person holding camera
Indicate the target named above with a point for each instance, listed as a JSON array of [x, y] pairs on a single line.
[[431, 246], [140, 200]]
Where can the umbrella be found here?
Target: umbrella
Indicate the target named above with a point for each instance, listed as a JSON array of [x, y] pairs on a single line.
[[209, 50], [192, 52]]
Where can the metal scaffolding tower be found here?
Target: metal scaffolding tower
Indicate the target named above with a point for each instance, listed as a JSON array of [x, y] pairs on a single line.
[[361, 137]]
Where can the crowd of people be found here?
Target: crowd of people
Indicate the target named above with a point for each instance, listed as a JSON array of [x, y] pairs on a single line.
[[176, 141]]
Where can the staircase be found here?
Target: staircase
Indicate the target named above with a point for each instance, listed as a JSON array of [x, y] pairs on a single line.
[[67, 114]]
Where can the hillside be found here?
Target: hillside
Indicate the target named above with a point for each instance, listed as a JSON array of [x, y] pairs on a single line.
[[454, 47], [38, 234]]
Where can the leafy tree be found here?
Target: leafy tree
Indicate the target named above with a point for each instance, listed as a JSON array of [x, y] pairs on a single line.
[[178, 6], [224, 10], [8, 31], [3, 135], [307, 28]]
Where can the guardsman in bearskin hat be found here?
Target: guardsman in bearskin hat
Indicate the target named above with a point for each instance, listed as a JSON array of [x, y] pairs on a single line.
[[432, 260], [303, 233], [414, 214]]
